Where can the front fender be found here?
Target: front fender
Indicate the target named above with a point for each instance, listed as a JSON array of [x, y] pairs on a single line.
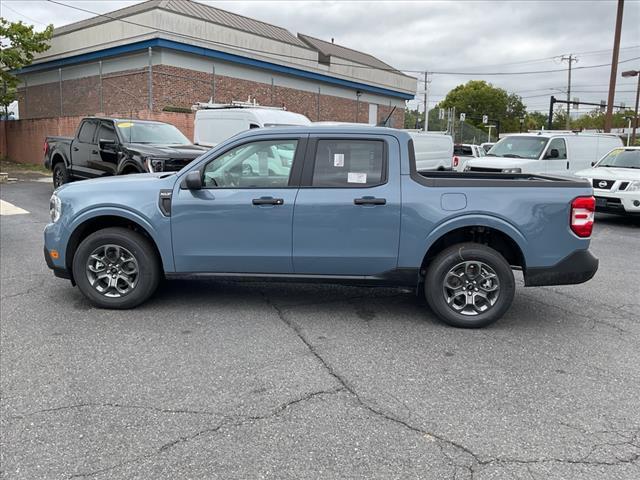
[[160, 236]]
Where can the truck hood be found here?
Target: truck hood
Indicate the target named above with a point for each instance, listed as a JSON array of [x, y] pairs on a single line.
[[128, 182], [188, 152], [498, 162], [610, 173]]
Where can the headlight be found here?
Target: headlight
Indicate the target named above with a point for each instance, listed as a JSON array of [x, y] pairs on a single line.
[[633, 186], [511, 170], [154, 164], [55, 208]]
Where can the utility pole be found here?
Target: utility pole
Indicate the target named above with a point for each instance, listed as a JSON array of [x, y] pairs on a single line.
[[426, 101], [614, 68], [570, 58]]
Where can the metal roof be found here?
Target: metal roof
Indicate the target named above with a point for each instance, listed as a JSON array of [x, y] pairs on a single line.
[[331, 49], [195, 10]]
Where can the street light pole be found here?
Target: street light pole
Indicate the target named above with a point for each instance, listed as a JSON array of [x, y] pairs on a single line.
[[614, 68], [628, 74]]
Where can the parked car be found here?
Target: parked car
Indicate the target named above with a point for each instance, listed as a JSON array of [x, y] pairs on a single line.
[[463, 152], [214, 123], [112, 146], [616, 181], [486, 146], [351, 208], [556, 153], [434, 151]]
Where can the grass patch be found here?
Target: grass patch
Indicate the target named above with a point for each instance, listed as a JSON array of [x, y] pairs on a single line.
[[7, 165]]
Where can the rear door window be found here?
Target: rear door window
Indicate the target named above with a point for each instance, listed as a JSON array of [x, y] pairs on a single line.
[[87, 131], [349, 163]]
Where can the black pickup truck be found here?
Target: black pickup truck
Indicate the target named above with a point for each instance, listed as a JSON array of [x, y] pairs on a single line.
[[113, 146]]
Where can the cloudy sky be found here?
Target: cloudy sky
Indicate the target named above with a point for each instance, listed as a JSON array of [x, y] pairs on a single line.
[[443, 36]]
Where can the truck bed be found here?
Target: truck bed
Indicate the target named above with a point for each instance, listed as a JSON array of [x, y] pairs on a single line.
[[490, 179]]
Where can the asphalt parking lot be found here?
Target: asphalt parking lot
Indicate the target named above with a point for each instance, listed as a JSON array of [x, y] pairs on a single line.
[[237, 380]]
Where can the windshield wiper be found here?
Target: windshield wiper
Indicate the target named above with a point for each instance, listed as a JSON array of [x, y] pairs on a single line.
[[491, 155], [511, 155]]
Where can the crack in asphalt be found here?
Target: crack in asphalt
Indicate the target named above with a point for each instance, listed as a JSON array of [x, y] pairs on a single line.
[[114, 405], [227, 422], [588, 317], [475, 459]]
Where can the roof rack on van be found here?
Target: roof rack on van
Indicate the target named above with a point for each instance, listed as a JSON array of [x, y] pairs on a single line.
[[234, 104]]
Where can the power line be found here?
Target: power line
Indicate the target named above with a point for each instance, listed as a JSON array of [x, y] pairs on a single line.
[[273, 54], [23, 15]]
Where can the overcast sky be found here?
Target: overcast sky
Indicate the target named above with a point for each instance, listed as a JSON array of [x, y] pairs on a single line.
[[447, 36]]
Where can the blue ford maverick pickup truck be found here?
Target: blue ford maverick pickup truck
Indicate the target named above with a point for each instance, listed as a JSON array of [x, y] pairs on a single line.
[[333, 204]]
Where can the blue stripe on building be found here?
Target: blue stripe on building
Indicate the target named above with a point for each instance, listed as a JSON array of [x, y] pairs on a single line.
[[210, 53]]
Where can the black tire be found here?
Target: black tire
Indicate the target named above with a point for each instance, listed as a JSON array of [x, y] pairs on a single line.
[[451, 258], [60, 175], [147, 263]]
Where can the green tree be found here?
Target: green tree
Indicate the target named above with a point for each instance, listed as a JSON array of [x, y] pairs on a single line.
[[18, 45], [413, 118], [477, 98]]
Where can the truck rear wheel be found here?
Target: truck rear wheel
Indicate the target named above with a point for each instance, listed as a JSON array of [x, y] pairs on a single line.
[[116, 268], [469, 285], [60, 174]]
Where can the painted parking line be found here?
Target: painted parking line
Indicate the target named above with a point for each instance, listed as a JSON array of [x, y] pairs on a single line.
[[7, 208]]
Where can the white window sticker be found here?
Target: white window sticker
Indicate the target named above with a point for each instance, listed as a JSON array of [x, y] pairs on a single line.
[[338, 159], [353, 177]]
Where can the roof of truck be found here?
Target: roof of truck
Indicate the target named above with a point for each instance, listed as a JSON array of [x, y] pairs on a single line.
[[114, 119]]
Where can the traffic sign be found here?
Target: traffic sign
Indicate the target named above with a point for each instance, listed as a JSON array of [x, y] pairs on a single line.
[[441, 114], [485, 119], [463, 116]]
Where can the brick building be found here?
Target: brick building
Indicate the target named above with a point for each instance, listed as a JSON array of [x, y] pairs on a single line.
[[169, 54]]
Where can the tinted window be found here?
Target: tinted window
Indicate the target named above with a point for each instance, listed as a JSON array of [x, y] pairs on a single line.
[[344, 163], [462, 150], [86, 132], [558, 144], [107, 132], [265, 164]]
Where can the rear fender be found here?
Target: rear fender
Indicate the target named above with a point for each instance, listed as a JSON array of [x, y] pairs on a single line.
[[476, 220]]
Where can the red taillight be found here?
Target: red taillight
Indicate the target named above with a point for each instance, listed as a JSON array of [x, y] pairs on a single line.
[[45, 147], [455, 161], [582, 213]]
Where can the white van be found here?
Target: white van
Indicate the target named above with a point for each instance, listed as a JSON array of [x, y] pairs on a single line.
[[555, 153], [434, 151], [214, 123]]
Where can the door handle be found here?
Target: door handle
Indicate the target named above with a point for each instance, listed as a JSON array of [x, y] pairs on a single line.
[[267, 201], [369, 201], [94, 152], [75, 149]]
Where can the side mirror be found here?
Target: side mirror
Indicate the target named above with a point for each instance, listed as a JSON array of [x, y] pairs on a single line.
[[553, 153], [193, 181], [593, 164], [104, 143]]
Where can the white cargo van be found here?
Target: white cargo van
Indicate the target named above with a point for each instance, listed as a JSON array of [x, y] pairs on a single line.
[[555, 153], [434, 151], [215, 123]]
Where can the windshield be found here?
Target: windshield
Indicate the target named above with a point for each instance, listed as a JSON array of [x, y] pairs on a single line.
[[621, 158], [519, 147], [154, 133]]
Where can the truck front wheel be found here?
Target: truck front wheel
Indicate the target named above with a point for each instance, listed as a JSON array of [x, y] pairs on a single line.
[[60, 175], [116, 268], [469, 285]]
